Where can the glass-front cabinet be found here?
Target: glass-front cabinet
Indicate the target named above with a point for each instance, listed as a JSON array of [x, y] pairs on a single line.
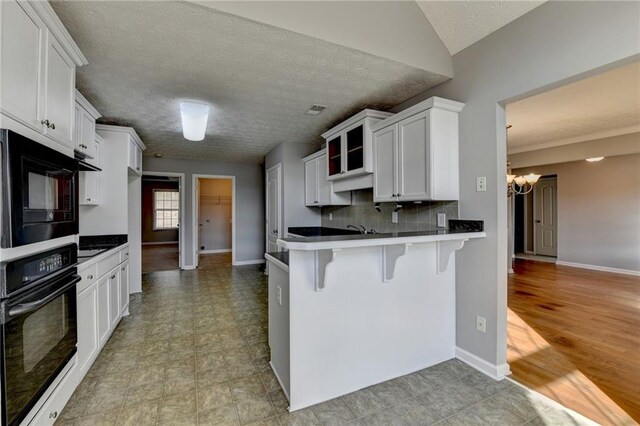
[[349, 145]]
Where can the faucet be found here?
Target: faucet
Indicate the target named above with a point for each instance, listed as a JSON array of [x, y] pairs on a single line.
[[356, 228]]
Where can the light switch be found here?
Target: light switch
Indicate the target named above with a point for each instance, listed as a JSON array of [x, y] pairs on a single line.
[[394, 217], [330, 216], [442, 220], [279, 294]]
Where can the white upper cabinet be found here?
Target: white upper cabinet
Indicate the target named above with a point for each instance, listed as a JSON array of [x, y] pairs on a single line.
[[85, 126], [22, 36], [349, 146], [89, 188], [38, 60], [416, 153], [135, 157], [318, 191], [60, 97]]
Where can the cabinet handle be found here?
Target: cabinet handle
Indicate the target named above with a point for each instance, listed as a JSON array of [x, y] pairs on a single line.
[[53, 414], [113, 276], [53, 127], [45, 122], [126, 254], [88, 199], [89, 277], [315, 202]]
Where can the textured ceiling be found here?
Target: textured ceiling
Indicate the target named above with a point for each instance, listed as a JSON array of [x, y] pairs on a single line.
[[461, 23], [145, 57], [607, 104]]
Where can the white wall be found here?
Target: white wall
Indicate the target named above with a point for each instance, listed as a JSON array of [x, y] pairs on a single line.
[[249, 201], [553, 44], [294, 211], [598, 211]]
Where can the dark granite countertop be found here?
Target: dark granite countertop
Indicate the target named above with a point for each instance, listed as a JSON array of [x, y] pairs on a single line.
[[282, 256], [97, 242], [320, 231], [376, 236]]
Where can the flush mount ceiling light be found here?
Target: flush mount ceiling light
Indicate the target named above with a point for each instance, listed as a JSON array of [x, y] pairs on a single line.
[[194, 120], [316, 109], [594, 159]]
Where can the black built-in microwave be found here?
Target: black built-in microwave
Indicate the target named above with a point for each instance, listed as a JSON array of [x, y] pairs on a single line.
[[39, 191]]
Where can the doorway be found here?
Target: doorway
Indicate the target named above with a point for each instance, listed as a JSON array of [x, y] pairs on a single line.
[[273, 208], [536, 221], [214, 218], [162, 213]]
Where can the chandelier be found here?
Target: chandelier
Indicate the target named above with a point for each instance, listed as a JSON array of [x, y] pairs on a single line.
[[519, 185]]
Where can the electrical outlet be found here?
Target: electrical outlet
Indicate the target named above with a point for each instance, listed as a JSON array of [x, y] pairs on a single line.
[[330, 216], [279, 294], [481, 184], [442, 220], [394, 217], [481, 324]]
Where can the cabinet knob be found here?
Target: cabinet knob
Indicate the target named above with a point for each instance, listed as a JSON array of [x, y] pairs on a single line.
[[89, 277], [88, 199], [53, 414], [113, 276], [45, 122], [52, 127], [123, 269]]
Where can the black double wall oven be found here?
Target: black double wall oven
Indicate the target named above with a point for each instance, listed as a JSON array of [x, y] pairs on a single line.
[[38, 321], [39, 191]]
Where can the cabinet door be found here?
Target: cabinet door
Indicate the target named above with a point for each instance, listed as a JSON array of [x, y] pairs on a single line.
[[334, 152], [384, 154], [354, 139], [22, 36], [324, 186], [88, 135], [138, 160], [311, 183], [59, 94], [414, 157], [90, 181], [114, 297], [88, 340], [124, 288], [104, 324]]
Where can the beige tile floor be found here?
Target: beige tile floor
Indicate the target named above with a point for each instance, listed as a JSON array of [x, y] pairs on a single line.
[[194, 351]]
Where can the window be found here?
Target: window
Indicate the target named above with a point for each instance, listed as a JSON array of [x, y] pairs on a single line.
[[166, 208]]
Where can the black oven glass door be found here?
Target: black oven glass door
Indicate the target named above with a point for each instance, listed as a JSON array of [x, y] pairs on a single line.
[[48, 193], [39, 336], [39, 192]]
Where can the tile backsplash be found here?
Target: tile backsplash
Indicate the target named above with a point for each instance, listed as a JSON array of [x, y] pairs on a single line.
[[412, 217]]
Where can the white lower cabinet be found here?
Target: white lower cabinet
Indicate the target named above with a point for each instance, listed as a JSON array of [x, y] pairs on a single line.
[[114, 297], [104, 325], [88, 339], [124, 288]]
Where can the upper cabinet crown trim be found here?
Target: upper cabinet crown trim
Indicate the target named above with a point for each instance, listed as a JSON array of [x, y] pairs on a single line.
[[315, 155], [55, 26], [433, 102], [84, 103], [122, 129], [354, 119]]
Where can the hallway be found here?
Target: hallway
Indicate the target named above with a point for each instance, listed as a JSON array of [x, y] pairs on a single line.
[[573, 336]]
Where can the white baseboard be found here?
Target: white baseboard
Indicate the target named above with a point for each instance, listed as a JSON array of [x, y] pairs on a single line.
[[248, 262], [599, 268], [159, 243], [188, 267], [496, 372], [215, 251]]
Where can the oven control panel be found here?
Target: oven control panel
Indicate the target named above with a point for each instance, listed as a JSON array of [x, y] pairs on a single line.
[[20, 274]]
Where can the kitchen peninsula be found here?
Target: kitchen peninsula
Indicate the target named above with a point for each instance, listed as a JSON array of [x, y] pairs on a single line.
[[350, 311]]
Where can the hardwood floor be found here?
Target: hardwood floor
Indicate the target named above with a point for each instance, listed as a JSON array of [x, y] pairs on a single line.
[[159, 257], [574, 336]]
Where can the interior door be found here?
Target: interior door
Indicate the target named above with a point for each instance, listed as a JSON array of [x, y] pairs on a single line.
[[546, 216], [273, 228]]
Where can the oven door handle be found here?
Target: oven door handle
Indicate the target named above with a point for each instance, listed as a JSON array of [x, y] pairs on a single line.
[[24, 308]]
